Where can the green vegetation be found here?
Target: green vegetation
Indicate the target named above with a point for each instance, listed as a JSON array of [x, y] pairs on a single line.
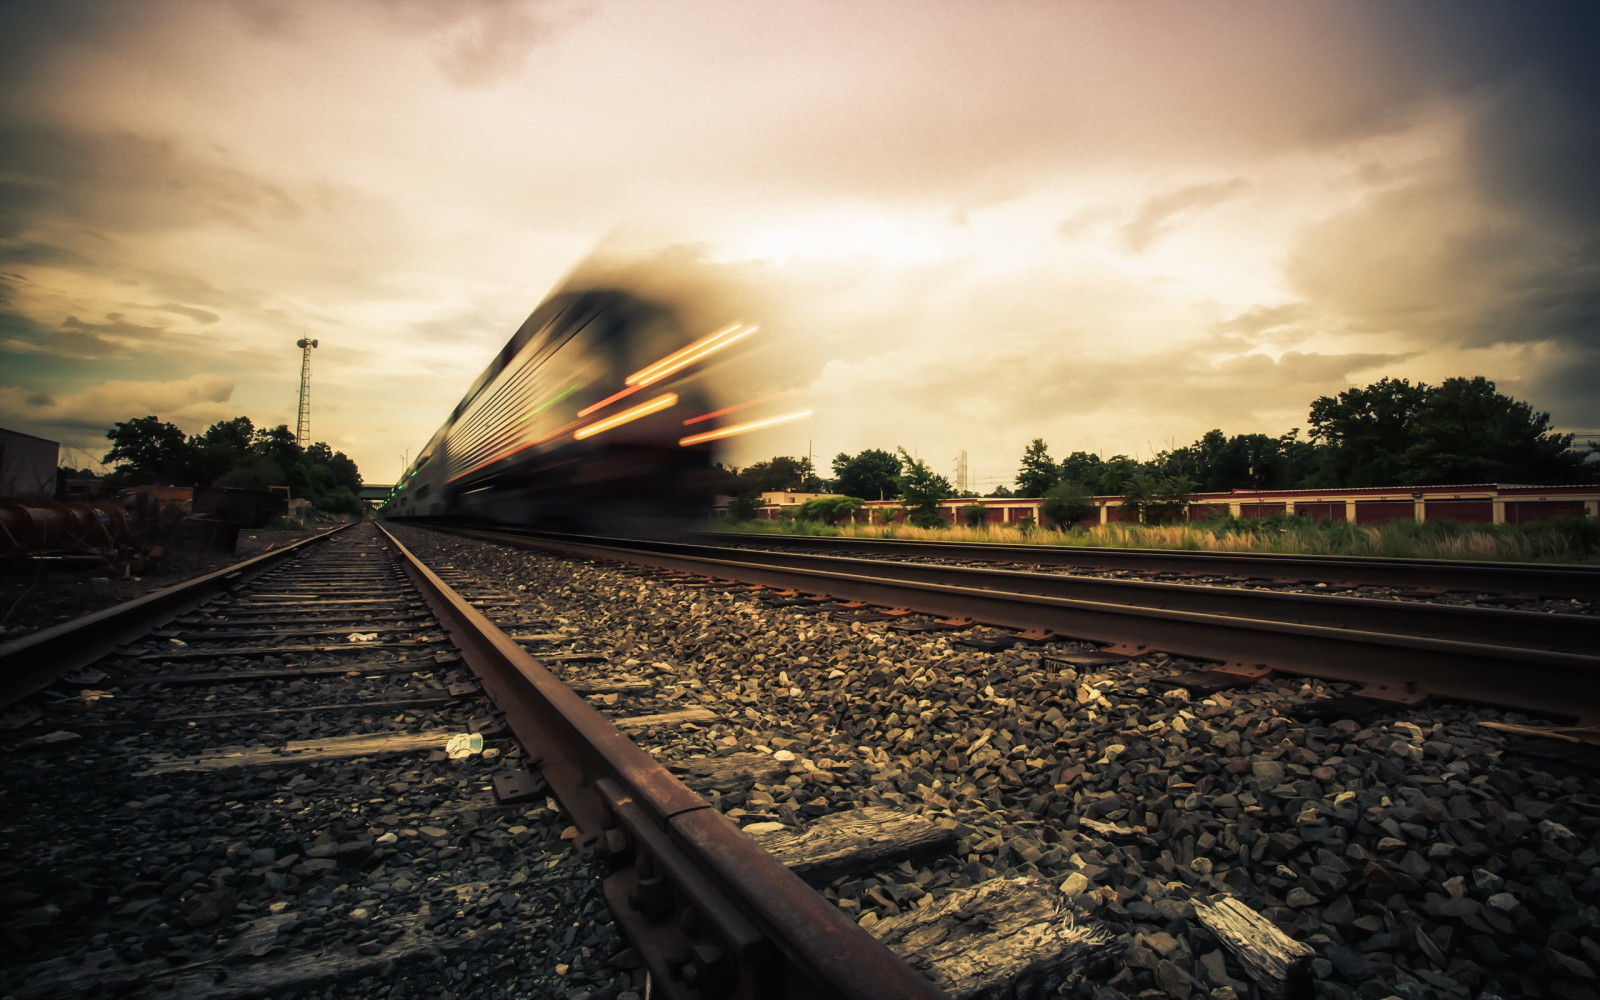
[[148, 451], [1065, 504], [871, 475], [922, 489], [1564, 539], [1390, 433], [828, 510]]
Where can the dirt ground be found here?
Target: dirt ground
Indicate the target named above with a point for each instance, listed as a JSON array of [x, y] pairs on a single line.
[[36, 595]]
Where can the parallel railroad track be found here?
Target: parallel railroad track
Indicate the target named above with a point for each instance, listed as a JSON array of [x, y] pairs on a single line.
[[1538, 662], [1444, 575]]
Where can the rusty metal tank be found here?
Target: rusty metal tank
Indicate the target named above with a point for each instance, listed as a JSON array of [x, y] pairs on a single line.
[[49, 527]]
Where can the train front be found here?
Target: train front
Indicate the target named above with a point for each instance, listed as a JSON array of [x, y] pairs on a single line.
[[599, 417]]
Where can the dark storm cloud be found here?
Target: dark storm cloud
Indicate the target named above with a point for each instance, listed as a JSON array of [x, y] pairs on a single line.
[[1159, 215], [1500, 243]]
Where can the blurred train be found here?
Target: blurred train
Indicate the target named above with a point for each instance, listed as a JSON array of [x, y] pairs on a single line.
[[596, 416]]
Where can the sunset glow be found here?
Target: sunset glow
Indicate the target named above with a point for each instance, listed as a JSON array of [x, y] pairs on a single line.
[[962, 226]]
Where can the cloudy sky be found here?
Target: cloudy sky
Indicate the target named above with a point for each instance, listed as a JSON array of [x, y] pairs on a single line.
[[1113, 225]]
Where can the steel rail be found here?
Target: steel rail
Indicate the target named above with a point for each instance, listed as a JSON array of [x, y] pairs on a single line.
[[712, 914], [1493, 626], [35, 661], [1548, 580], [1546, 682]]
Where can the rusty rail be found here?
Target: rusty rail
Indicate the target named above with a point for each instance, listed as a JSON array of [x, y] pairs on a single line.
[[35, 661], [1553, 683], [713, 915]]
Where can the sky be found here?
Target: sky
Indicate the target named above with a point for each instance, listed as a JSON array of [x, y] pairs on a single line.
[[1111, 224]]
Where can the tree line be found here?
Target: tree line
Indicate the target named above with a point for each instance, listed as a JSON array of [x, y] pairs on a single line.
[[146, 451], [1389, 433]]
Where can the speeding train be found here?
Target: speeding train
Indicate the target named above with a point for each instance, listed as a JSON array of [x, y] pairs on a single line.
[[594, 417]]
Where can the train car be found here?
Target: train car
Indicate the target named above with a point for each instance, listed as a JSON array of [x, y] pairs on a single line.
[[593, 417]]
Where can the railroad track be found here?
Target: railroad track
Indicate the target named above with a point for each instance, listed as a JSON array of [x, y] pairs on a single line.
[[1538, 662], [1386, 849], [916, 783], [232, 843], [1517, 581]]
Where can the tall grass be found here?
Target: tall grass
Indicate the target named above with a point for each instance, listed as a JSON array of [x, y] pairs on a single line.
[[1565, 539]]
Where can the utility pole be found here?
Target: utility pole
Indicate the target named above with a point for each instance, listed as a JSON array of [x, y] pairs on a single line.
[[302, 429]]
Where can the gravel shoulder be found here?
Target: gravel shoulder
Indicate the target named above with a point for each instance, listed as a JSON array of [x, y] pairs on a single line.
[[1410, 849]]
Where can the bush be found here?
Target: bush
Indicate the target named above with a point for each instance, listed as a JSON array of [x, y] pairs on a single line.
[[828, 510], [974, 514], [744, 508], [1065, 504], [1163, 500]]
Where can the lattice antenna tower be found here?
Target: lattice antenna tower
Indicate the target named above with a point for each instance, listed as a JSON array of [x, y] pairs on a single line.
[[961, 472], [302, 427]]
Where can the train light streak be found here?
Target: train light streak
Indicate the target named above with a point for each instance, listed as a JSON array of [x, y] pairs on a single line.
[[608, 400], [632, 413], [730, 431], [558, 397], [736, 408], [689, 355]]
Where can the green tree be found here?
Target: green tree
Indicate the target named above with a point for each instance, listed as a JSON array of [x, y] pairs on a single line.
[[869, 475], [1065, 504], [1113, 475], [974, 514], [1081, 467], [1461, 431], [148, 451], [780, 473], [224, 445], [1365, 433], [1001, 492], [1467, 432], [921, 488], [1038, 472]]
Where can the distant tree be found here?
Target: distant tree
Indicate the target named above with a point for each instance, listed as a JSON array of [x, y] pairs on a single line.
[[1065, 504], [1080, 467], [780, 473], [235, 453], [922, 489], [1466, 432], [1001, 492], [1217, 462], [1461, 431], [1038, 472], [869, 475], [1113, 475], [223, 446], [1365, 433], [148, 451]]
